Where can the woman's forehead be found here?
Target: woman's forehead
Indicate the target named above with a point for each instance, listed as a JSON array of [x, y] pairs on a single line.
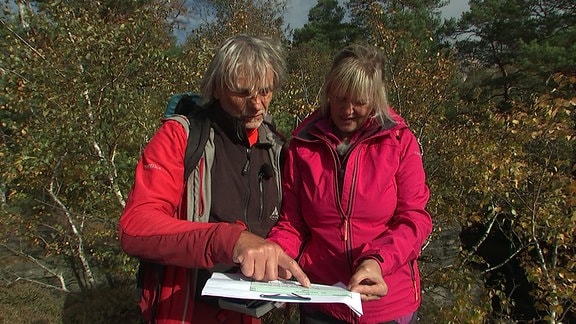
[[349, 91]]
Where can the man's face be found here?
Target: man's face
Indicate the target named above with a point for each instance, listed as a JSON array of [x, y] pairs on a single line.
[[240, 103]]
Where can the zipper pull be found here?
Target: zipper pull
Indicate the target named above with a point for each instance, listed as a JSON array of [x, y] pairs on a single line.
[[247, 164], [345, 230], [411, 265]]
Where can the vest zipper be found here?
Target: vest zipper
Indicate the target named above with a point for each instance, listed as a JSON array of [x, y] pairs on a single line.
[[247, 164], [261, 195], [244, 172]]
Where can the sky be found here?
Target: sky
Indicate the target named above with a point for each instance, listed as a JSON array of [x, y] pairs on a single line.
[[297, 10], [297, 14]]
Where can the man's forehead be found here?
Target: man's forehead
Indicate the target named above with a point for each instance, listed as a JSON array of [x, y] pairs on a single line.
[[250, 79]]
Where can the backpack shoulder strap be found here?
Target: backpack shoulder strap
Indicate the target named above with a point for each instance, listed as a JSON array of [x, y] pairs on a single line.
[[198, 131], [198, 134], [182, 120]]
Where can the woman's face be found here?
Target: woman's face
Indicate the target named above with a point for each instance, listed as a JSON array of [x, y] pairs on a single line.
[[347, 114]]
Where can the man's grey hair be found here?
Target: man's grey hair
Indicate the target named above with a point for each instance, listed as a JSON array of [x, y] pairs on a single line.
[[248, 57]]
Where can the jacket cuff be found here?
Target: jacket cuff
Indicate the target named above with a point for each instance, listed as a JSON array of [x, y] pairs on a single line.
[[373, 254], [229, 239]]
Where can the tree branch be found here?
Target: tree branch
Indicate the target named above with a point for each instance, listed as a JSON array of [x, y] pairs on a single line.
[[501, 264], [73, 227], [482, 239], [58, 276]]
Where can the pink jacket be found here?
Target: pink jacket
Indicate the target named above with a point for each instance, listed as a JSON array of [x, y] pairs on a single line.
[[379, 211]]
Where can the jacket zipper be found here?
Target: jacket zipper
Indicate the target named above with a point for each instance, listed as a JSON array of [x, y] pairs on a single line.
[[413, 276], [348, 227], [338, 198], [346, 231]]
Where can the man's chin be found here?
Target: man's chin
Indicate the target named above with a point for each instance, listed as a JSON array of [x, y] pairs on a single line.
[[252, 123]]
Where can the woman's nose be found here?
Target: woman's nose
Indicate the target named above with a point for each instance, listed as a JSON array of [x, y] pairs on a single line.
[[348, 107]]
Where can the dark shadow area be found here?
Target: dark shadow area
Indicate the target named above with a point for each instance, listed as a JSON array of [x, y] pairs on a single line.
[[103, 305], [510, 278]]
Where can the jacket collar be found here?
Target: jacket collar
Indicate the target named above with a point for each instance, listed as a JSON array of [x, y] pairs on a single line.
[[235, 129]]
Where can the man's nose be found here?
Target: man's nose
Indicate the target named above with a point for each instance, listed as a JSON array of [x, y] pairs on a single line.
[[255, 99]]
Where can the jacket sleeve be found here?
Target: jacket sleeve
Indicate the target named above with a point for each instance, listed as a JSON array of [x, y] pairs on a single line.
[[149, 226], [290, 231], [411, 224]]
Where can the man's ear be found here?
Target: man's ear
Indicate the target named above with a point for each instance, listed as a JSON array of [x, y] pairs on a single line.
[[217, 93]]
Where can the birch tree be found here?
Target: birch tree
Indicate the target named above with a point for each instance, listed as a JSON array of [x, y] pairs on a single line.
[[85, 87]]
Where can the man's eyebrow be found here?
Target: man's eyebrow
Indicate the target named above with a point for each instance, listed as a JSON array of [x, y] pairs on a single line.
[[243, 91], [248, 92]]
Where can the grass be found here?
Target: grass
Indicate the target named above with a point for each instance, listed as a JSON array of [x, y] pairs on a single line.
[[30, 303], [25, 302]]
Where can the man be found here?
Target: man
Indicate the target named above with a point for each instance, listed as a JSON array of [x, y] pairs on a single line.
[[219, 218]]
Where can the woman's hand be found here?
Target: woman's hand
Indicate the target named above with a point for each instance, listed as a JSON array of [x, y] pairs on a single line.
[[368, 281]]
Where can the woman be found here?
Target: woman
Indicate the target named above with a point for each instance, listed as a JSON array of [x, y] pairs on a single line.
[[354, 196]]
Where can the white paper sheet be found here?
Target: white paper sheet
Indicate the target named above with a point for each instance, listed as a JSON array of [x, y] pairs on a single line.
[[235, 285]]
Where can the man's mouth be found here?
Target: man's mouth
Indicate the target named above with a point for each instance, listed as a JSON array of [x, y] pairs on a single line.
[[252, 116]]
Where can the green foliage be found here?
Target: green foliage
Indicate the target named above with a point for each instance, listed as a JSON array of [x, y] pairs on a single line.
[[520, 43], [255, 17], [299, 97], [326, 29], [83, 95], [84, 85], [410, 21], [454, 295], [515, 170]]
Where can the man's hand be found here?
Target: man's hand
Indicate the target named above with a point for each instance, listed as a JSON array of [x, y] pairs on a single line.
[[368, 281], [263, 260]]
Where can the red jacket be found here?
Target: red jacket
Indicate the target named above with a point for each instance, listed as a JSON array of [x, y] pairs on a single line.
[[154, 225], [377, 210]]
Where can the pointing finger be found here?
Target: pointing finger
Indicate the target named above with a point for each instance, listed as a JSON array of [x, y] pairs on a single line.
[[288, 264]]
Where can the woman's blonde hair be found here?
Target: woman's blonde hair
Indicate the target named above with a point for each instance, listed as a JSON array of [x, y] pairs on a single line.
[[357, 72], [249, 57]]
